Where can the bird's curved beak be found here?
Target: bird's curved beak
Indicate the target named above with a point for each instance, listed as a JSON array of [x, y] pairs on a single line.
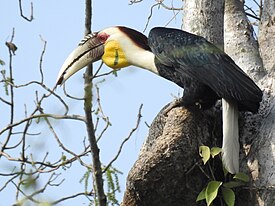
[[89, 50]]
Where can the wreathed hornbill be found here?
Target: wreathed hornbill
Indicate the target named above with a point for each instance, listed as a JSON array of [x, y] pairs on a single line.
[[205, 72]]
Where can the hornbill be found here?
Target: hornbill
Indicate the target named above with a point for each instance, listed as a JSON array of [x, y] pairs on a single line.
[[205, 72]]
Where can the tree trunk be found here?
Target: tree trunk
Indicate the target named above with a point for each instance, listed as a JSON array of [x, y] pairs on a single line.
[[267, 34], [263, 150], [239, 40], [205, 18], [169, 170]]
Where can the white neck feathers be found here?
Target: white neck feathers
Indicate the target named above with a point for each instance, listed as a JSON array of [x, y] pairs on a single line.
[[135, 55]]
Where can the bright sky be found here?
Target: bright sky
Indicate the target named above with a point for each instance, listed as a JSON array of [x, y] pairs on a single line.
[[61, 24]]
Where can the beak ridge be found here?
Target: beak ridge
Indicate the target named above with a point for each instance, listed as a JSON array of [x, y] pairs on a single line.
[[89, 50]]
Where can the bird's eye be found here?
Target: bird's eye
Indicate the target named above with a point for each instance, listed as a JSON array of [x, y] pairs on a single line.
[[103, 37]]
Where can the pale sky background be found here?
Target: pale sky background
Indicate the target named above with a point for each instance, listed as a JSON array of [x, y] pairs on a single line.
[[61, 24]]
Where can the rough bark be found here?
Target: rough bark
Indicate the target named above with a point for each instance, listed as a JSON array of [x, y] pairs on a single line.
[[267, 34], [262, 155], [205, 18], [169, 168], [258, 131], [239, 40]]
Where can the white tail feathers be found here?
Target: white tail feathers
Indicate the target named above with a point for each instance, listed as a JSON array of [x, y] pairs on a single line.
[[230, 144]]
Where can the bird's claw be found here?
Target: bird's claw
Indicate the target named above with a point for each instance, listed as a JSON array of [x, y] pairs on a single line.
[[175, 103]]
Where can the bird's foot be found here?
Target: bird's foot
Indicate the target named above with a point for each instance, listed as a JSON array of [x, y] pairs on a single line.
[[175, 103], [191, 106]]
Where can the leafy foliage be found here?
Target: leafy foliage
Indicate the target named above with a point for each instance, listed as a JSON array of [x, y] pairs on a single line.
[[228, 196], [211, 191], [113, 185], [85, 179], [204, 153], [215, 188]]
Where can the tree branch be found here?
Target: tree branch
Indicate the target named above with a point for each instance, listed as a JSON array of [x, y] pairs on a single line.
[[97, 172], [73, 117], [22, 14], [125, 140]]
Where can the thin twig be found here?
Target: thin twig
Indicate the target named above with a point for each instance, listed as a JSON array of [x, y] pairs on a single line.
[[103, 116], [5, 101], [51, 92], [22, 14], [150, 16], [71, 196], [168, 7], [252, 16], [60, 143], [97, 71], [70, 96], [134, 2], [126, 139], [175, 15], [11, 96], [54, 116], [30, 197], [41, 59]]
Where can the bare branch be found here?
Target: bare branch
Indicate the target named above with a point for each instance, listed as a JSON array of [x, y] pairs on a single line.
[[97, 172], [104, 117], [62, 145], [11, 95], [126, 139], [150, 16], [72, 117], [252, 16], [70, 96], [104, 74], [31, 196], [72, 196], [41, 59], [22, 14], [97, 71], [175, 15], [10, 180], [5, 101], [160, 2], [134, 2]]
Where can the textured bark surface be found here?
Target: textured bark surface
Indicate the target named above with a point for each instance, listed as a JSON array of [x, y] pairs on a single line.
[[262, 153], [239, 40], [169, 170], [267, 34], [205, 18]]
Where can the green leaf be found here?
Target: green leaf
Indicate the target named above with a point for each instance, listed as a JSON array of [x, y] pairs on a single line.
[[233, 184], [241, 176], [228, 196], [2, 62], [215, 151], [212, 191], [201, 196], [204, 153]]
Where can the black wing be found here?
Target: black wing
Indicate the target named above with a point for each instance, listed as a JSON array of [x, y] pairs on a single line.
[[194, 56]]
